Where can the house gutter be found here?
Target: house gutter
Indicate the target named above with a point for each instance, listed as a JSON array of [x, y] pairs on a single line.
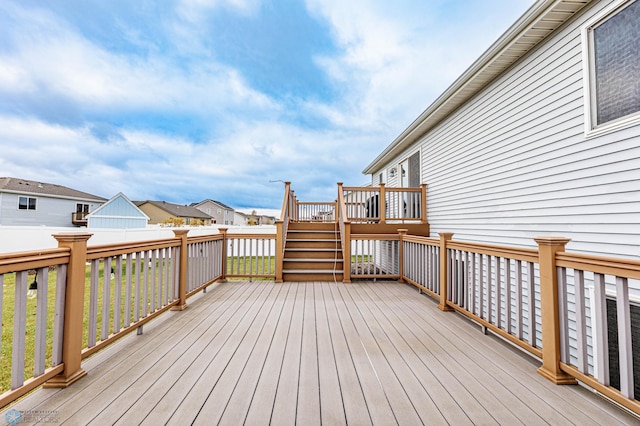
[[540, 20]]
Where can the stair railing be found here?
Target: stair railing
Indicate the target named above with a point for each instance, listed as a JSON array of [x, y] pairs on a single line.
[[282, 226], [345, 234]]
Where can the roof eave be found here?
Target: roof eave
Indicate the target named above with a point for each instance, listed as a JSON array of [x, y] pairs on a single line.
[[540, 20]]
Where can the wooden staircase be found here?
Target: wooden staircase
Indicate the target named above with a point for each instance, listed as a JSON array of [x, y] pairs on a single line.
[[312, 252]]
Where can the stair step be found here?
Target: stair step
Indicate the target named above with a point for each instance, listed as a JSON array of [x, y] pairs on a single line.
[[311, 271], [309, 259]]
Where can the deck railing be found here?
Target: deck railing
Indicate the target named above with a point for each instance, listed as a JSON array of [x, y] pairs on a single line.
[[596, 344], [551, 303], [37, 330], [558, 306], [88, 297], [384, 204], [251, 256]]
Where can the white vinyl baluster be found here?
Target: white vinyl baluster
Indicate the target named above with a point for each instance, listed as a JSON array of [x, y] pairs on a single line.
[[624, 337], [117, 299], [19, 330], [58, 316], [519, 313], [1, 298], [106, 297], [93, 303], [507, 297], [581, 326], [531, 291], [563, 307], [42, 275], [599, 322]]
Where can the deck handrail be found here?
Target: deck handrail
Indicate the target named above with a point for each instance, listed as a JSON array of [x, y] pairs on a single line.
[[383, 204], [344, 226], [128, 285], [282, 227]]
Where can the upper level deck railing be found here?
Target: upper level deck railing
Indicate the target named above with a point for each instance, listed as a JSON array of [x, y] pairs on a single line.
[[384, 204]]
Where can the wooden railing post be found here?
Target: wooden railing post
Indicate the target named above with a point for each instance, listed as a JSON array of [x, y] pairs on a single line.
[[550, 309], [73, 310], [401, 234], [225, 256], [444, 271], [423, 203], [183, 267], [279, 250], [383, 204]]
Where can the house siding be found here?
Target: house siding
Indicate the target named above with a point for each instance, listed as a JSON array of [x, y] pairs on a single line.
[[118, 213], [514, 162], [49, 211]]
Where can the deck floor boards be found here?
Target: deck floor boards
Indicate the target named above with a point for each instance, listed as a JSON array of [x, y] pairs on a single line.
[[317, 353]]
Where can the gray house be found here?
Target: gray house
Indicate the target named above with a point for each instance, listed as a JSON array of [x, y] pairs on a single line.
[[120, 213], [221, 213], [26, 202], [540, 136]]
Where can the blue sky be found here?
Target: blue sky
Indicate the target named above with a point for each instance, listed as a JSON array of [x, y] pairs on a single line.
[[186, 100]]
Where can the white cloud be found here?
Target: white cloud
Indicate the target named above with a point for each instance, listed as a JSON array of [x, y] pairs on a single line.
[[49, 57]]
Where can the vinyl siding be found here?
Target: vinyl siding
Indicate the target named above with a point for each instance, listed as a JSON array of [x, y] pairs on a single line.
[[119, 213], [49, 211], [514, 162]]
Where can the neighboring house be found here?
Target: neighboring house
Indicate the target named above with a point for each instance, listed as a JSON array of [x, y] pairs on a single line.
[[540, 136], [160, 211], [240, 218], [221, 213], [266, 220], [119, 212], [33, 203]]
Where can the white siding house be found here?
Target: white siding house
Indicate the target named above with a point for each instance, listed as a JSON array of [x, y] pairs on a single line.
[[220, 212], [119, 213], [540, 136], [31, 203]]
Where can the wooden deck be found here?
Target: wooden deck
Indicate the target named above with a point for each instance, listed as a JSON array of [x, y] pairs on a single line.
[[316, 353]]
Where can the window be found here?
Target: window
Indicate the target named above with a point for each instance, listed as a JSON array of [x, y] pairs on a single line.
[[26, 203], [82, 208], [613, 67]]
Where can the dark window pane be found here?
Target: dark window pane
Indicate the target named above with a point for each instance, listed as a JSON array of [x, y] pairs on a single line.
[[22, 203], [617, 64], [32, 203]]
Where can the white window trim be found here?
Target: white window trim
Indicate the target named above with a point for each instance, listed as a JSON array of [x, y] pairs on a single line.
[[28, 198], [591, 128]]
